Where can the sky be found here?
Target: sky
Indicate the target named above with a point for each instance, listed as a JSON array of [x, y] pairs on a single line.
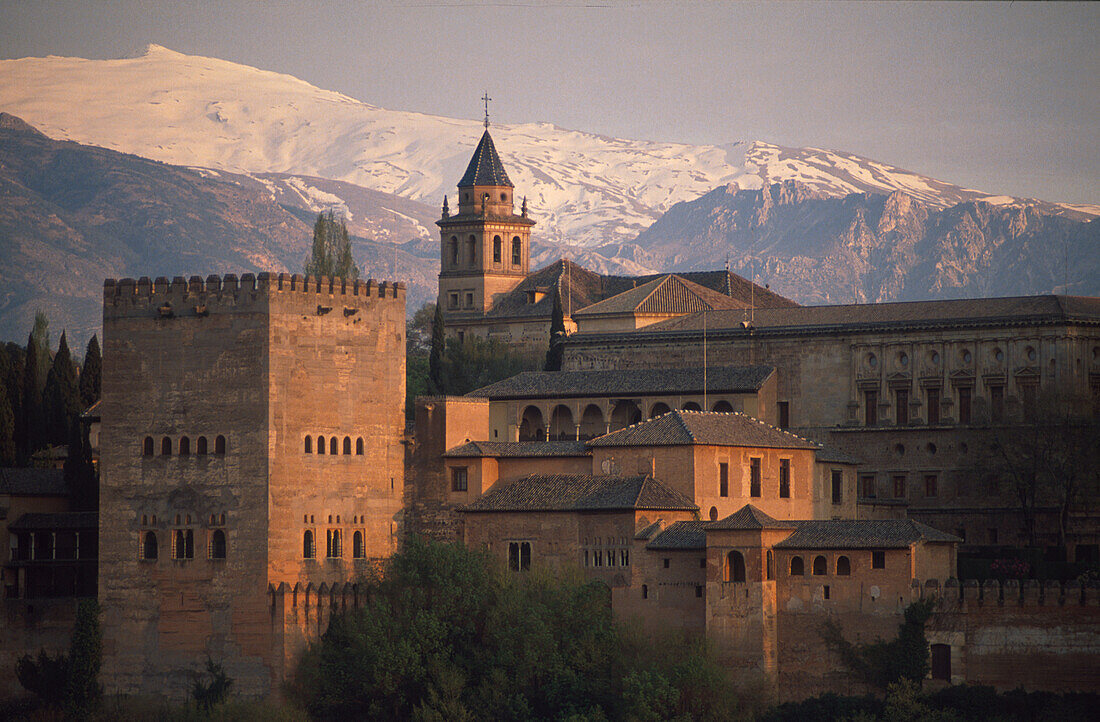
[[1002, 97]]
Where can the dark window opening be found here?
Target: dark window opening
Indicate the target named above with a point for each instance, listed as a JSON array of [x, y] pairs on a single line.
[[667, 561], [333, 446], [219, 446], [870, 407], [770, 565], [754, 477], [217, 544], [798, 567], [723, 479], [698, 591], [867, 486], [149, 545], [735, 567], [200, 446], [185, 446], [497, 249], [941, 662], [309, 551], [930, 485], [334, 544], [359, 446], [458, 479], [309, 445], [933, 396], [454, 251], [347, 446], [843, 566], [784, 478], [165, 446], [899, 487], [147, 446], [517, 252], [357, 549], [784, 414], [519, 556], [964, 405], [997, 403], [184, 546], [320, 444], [901, 410], [645, 591], [878, 560], [837, 480], [821, 566], [825, 591]]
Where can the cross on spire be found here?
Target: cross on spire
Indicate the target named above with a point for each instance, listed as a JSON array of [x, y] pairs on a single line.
[[486, 98]]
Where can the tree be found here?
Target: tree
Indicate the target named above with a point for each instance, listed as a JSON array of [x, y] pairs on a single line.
[[557, 337], [31, 428], [884, 663], [61, 396], [330, 255], [436, 381], [14, 356], [475, 362], [82, 688], [1047, 456], [7, 429], [420, 330], [80, 473], [90, 374]]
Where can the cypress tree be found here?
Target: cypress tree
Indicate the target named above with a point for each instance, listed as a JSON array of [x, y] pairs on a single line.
[[40, 334], [436, 382], [330, 254], [31, 427], [61, 397], [7, 429], [82, 687], [345, 265], [90, 374], [557, 337]]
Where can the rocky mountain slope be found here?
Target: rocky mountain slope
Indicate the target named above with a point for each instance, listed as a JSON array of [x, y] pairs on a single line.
[[72, 215], [873, 247], [586, 190]]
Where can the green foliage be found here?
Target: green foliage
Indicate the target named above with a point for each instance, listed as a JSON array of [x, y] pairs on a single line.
[[436, 382], [12, 361], [61, 396], [7, 425], [883, 663], [91, 373], [211, 689], [82, 687], [557, 337], [330, 254], [80, 473], [445, 634], [33, 423], [70, 680], [475, 362]]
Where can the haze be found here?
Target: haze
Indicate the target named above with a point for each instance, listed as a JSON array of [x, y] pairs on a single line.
[[995, 96]]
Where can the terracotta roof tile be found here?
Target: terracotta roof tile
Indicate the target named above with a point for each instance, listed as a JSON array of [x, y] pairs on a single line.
[[518, 449], [703, 428], [33, 482], [670, 294], [581, 492], [862, 534], [749, 517], [681, 536]]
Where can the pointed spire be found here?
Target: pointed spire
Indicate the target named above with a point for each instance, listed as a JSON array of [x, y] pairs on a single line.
[[485, 168], [446, 210]]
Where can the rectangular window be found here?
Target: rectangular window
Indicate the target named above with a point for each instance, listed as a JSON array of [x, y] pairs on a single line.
[[458, 478], [452, 300], [997, 403], [930, 485], [878, 560], [586, 560], [933, 396], [838, 486], [870, 407], [899, 486], [784, 414], [867, 486], [784, 478], [624, 558], [964, 405], [519, 556], [901, 406], [698, 590], [723, 479], [666, 562], [754, 477], [469, 300], [702, 562]]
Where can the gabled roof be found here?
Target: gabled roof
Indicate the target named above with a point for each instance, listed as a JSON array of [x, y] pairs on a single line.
[[669, 294], [582, 492], [682, 536], [748, 518], [485, 168], [518, 449], [862, 534], [703, 428], [57, 520], [627, 382], [33, 482]]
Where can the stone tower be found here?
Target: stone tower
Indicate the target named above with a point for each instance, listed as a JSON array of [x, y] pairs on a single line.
[[251, 439], [485, 247]]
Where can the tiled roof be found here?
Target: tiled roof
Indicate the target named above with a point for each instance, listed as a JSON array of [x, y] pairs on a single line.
[[670, 294], [649, 531], [981, 311], [518, 449], [681, 535], [582, 492], [749, 517], [57, 520], [691, 428], [832, 455], [628, 382], [485, 168], [862, 534], [33, 482]]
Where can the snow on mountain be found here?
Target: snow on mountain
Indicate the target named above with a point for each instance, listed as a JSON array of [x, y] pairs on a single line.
[[584, 189]]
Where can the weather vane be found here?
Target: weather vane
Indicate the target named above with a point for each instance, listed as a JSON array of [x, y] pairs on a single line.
[[486, 98]]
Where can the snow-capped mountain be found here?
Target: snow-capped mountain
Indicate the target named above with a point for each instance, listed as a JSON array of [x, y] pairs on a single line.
[[584, 189]]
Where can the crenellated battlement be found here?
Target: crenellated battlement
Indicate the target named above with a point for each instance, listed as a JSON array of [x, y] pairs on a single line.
[[956, 595], [144, 292]]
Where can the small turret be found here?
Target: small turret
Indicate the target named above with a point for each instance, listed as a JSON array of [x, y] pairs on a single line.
[[446, 210]]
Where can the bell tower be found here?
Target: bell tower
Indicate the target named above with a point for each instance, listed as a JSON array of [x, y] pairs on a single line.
[[485, 247]]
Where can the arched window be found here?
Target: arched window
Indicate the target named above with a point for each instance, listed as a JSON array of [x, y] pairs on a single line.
[[359, 446], [821, 567], [532, 427], [147, 446], [843, 566], [517, 252], [471, 248], [714, 513], [357, 549], [498, 249], [308, 550], [347, 446], [184, 547], [692, 406], [309, 445], [165, 446], [219, 445], [454, 250], [185, 446], [592, 424], [798, 567], [624, 414], [659, 409], [149, 545], [561, 424], [320, 444], [645, 591], [334, 548], [217, 544], [722, 406], [771, 565], [200, 446], [735, 567], [333, 446]]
